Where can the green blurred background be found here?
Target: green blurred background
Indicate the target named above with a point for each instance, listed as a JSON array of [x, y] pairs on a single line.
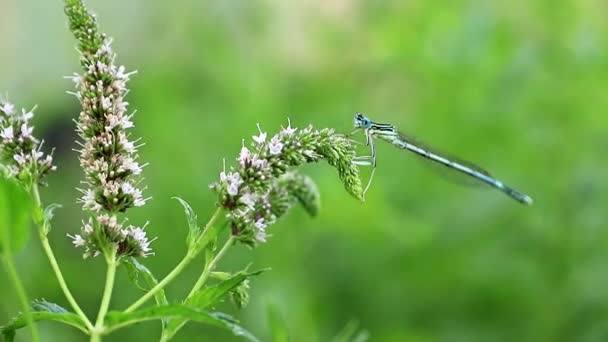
[[517, 86]]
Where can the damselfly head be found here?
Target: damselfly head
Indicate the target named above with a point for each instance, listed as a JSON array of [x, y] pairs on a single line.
[[362, 121]]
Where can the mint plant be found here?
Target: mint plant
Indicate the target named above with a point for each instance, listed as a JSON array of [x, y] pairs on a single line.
[[261, 187]]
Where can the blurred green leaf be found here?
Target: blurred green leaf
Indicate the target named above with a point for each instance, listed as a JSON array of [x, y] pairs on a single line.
[[44, 306], [42, 311], [15, 206], [116, 320], [351, 333], [9, 336], [279, 331], [361, 336]]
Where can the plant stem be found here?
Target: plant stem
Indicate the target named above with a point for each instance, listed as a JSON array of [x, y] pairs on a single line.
[[166, 280], [210, 266], [64, 286], [54, 265], [200, 282], [214, 217], [177, 270], [107, 295], [12, 272]]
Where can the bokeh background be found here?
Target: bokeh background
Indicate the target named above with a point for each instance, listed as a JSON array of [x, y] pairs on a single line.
[[518, 86]]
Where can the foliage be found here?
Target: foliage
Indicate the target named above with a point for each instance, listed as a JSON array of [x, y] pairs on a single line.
[[267, 183], [517, 88]]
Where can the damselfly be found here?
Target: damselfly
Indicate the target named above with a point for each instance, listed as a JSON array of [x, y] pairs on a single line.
[[390, 134]]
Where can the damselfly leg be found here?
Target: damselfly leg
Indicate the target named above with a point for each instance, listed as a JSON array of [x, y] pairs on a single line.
[[367, 160]]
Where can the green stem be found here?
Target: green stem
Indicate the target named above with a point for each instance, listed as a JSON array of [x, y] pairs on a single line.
[[177, 270], [98, 330], [210, 266], [200, 282], [210, 223], [54, 265], [166, 280], [12, 272], [64, 286]]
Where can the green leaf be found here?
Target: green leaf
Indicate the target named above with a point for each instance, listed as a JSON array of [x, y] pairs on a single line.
[[193, 228], [15, 206], [277, 325], [116, 319], [208, 296], [135, 269], [42, 305], [42, 311]]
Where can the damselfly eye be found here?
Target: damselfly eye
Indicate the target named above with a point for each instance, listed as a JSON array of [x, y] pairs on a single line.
[[362, 121]]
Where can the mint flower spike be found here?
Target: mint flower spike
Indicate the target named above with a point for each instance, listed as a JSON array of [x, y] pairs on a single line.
[[20, 152], [255, 192], [129, 240], [108, 155]]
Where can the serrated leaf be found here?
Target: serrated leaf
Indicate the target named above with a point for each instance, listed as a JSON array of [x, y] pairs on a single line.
[[15, 206], [193, 228], [134, 270], [116, 319], [42, 311], [208, 296]]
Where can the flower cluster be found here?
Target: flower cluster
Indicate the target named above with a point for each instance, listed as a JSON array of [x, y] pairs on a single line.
[[240, 294], [258, 190], [20, 153], [303, 190], [130, 240], [107, 155]]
